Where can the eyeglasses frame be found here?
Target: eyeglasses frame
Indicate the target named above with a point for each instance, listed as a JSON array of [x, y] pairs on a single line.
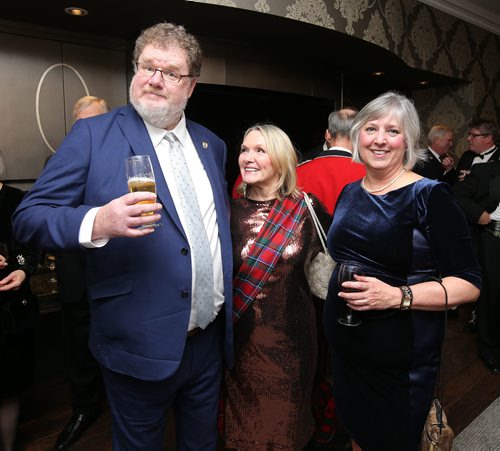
[[181, 76], [475, 135]]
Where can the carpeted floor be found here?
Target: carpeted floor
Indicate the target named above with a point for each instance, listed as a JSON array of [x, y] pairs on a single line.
[[483, 434]]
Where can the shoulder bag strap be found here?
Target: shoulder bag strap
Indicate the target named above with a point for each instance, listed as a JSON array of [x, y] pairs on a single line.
[[440, 378], [319, 228]]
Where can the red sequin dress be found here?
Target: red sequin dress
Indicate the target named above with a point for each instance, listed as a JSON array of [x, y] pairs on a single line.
[[268, 404]]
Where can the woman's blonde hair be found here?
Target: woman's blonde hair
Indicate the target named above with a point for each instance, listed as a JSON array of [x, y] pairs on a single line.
[[283, 158]]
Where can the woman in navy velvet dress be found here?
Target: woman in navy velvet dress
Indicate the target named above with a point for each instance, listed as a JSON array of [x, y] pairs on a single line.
[[403, 229]]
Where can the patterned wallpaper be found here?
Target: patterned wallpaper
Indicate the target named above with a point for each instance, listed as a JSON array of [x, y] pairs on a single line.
[[423, 37]]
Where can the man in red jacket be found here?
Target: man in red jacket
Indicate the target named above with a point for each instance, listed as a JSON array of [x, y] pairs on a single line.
[[327, 174]]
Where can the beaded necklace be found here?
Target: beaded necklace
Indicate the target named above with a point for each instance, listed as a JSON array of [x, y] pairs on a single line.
[[394, 180]]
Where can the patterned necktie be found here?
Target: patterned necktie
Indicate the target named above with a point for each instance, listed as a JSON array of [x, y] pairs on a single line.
[[203, 295]]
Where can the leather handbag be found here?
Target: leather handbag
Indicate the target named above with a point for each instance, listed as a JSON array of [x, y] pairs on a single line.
[[322, 266], [437, 434], [20, 311]]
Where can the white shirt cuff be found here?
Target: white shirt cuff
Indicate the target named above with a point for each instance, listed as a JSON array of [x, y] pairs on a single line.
[[85, 234]]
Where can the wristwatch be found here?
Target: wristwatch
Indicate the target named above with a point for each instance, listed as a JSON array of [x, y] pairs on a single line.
[[407, 297]]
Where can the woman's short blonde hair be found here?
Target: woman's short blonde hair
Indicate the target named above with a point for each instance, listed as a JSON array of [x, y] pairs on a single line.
[[283, 158], [400, 108]]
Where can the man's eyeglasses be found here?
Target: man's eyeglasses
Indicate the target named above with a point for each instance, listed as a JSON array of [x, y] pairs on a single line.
[[474, 135], [167, 75]]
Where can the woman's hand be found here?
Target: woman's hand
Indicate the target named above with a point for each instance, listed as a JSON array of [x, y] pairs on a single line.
[[13, 281], [371, 294]]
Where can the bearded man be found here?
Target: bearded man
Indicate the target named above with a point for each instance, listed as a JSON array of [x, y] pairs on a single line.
[[159, 266]]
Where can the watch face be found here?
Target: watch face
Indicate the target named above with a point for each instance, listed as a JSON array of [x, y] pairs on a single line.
[[407, 298]]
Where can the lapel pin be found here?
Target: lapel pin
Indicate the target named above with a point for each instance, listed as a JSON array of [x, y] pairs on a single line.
[[204, 144]]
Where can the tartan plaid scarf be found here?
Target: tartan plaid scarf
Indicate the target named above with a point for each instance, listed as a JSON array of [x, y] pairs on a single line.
[[266, 250]]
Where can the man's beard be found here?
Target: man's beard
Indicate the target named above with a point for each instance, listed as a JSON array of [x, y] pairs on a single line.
[[159, 116]]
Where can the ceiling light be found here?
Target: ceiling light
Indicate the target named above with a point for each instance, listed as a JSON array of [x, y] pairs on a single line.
[[75, 11], [423, 82], [377, 74]]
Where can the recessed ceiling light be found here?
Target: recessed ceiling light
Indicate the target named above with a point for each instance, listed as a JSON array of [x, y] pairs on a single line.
[[423, 82], [377, 74], [75, 11]]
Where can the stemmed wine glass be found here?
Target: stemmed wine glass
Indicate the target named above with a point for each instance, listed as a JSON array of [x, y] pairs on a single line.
[[140, 177], [346, 273]]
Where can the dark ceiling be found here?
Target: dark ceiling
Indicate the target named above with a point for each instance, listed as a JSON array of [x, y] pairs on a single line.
[[123, 20]]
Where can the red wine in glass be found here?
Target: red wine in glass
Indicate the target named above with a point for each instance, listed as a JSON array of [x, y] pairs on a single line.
[[346, 273]]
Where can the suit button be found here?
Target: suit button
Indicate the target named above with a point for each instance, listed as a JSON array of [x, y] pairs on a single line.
[[184, 251], [184, 294]]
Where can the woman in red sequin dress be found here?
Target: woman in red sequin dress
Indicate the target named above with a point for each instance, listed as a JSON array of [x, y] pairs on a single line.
[[268, 404]]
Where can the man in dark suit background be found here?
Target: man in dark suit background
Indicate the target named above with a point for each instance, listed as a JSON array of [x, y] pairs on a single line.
[[158, 334], [438, 164], [482, 139], [479, 197], [82, 370]]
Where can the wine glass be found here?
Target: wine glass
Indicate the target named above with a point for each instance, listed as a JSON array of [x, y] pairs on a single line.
[[140, 177], [346, 273]]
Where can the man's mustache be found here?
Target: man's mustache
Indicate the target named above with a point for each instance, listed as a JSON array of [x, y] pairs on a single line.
[[153, 91]]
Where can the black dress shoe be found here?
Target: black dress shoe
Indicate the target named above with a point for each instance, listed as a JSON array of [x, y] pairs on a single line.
[[77, 425], [492, 363]]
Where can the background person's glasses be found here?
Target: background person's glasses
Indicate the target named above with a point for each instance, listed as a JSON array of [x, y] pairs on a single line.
[[475, 135], [167, 75]]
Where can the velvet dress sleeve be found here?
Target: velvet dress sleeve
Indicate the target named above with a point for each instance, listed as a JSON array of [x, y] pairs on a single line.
[[450, 240]]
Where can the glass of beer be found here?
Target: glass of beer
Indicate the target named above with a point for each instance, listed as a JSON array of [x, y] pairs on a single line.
[[140, 177]]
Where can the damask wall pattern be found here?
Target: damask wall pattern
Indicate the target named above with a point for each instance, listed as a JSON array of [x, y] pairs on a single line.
[[423, 37]]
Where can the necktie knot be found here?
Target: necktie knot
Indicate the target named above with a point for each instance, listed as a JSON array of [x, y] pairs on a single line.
[[170, 138]]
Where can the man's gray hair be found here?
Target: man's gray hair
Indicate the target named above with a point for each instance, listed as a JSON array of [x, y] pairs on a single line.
[[340, 122]]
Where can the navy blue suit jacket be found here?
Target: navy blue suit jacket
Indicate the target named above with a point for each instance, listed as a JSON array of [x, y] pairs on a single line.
[[139, 289]]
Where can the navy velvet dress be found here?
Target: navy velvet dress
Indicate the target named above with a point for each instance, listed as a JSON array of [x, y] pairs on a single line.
[[385, 370]]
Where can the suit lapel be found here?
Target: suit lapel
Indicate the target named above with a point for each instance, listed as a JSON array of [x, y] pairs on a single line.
[[436, 162], [496, 155], [203, 148]]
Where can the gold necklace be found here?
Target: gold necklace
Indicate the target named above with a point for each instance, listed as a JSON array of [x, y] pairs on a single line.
[[394, 180]]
